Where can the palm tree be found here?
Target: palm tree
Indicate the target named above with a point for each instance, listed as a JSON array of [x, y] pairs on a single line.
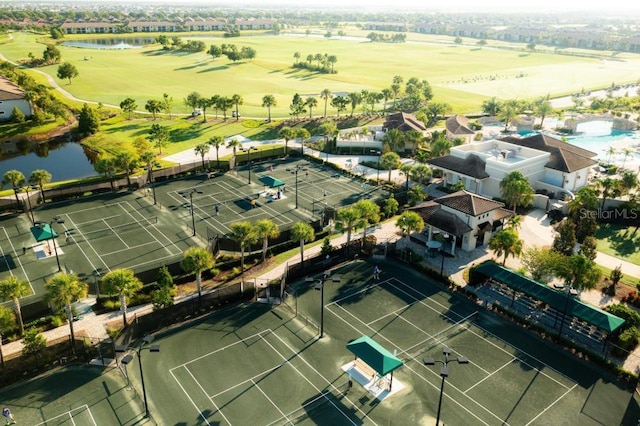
[[7, 322], [16, 179], [106, 165], [234, 144], [300, 233], [516, 189], [506, 242], [491, 106], [196, 260], [237, 100], [269, 101], [609, 188], [348, 219], [369, 214], [11, 288], [543, 109], [390, 161], [410, 221], [325, 94], [627, 152], [311, 102], [62, 290], [386, 95], [406, 169], [216, 142], [355, 99], [40, 178], [244, 233], [579, 272], [202, 149], [127, 161], [611, 151], [265, 230], [287, 133], [394, 139], [124, 284], [507, 113], [421, 172]]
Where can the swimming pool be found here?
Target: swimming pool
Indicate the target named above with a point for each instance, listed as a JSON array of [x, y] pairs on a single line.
[[598, 137]]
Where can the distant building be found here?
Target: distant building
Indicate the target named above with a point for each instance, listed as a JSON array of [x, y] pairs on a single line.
[[12, 96], [457, 127]]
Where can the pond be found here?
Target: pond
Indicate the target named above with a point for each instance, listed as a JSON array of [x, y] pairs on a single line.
[[110, 43], [64, 160]]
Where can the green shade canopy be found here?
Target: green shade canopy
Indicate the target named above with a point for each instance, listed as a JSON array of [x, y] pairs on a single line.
[[271, 182], [43, 232], [374, 355], [556, 299]]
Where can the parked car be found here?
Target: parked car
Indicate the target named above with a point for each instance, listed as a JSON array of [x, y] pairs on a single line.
[[196, 113], [235, 115]]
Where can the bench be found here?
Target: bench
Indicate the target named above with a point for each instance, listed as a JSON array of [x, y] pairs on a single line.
[[365, 369]]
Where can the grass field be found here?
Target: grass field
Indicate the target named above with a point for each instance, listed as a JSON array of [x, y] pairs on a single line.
[[460, 75], [619, 241]]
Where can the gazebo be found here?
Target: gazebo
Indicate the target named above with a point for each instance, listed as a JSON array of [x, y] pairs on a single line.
[[374, 360]]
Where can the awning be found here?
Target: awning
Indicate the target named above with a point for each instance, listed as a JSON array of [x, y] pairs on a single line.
[[271, 182], [43, 232], [374, 355], [556, 299]]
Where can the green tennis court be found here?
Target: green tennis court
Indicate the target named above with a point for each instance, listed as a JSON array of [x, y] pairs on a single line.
[[262, 364]]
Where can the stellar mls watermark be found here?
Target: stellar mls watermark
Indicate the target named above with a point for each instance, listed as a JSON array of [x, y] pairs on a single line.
[[611, 214]]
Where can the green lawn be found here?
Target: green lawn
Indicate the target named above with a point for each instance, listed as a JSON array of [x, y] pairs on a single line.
[[460, 75], [620, 242]]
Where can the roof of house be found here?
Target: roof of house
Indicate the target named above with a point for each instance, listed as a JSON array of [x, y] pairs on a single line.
[[9, 91], [563, 156], [433, 214], [472, 166], [458, 125], [469, 203], [404, 122]]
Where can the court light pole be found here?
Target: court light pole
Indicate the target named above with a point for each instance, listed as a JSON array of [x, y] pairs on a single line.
[[56, 219], [129, 357], [320, 286], [152, 181], [26, 189], [379, 154], [248, 151], [444, 372], [296, 170], [190, 193]]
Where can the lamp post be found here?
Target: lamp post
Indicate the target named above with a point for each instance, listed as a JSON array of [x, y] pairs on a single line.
[[129, 357], [296, 170], [149, 168], [190, 193], [248, 151], [56, 219], [444, 372], [443, 252], [320, 286]]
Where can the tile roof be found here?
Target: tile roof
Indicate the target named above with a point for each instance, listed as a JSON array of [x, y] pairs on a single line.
[[563, 156], [469, 203], [472, 166], [444, 220], [404, 122], [458, 125], [10, 91]]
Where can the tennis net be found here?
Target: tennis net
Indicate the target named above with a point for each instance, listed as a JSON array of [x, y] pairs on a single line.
[[80, 235]]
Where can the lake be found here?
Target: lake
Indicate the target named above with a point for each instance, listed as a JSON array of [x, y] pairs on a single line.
[[110, 43]]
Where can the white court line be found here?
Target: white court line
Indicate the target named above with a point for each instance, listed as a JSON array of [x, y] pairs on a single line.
[[69, 413], [318, 373], [462, 406], [26, 277], [270, 400], [189, 397], [144, 223], [552, 404], [211, 400], [115, 233], [250, 379], [111, 253], [520, 359], [93, 266], [490, 374]]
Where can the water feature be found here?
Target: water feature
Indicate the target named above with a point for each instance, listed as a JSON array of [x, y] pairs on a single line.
[[110, 43], [64, 160], [599, 137]]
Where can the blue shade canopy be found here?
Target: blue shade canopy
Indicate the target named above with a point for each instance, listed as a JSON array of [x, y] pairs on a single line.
[[271, 182], [43, 232], [374, 355]]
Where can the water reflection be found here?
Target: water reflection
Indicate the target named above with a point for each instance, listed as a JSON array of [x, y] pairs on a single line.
[[111, 43], [65, 160]]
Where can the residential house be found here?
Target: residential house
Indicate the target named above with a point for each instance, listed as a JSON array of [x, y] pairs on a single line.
[[549, 164], [462, 219], [12, 96], [457, 127], [403, 122]]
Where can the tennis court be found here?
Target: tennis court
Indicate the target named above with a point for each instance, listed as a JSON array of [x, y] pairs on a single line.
[[257, 364], [75, 395], [319, 188]]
